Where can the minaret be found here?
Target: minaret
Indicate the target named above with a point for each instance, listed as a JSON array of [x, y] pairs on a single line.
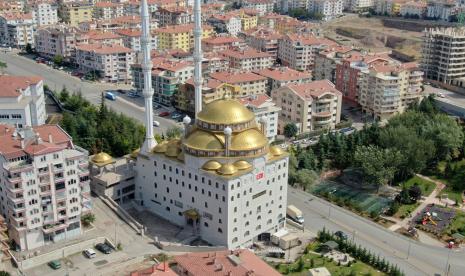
[[197, 56], [146, 65]]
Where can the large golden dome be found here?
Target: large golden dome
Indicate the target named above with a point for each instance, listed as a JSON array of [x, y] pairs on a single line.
[[249, 140], [101, 159], [225, 112], [227, 169]]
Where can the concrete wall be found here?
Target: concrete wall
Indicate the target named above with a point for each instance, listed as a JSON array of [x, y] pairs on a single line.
[[187, 248], [60, 253]]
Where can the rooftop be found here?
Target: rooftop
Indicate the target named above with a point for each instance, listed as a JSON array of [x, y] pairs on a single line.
[[161, 269], [314, 89], [241, 262], [255, 100], [180, 28], [103, 49], [11, 86], [245, 53], [283, 74], [230, 77], [221, 40]]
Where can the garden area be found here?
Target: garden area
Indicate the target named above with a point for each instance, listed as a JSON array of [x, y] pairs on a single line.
[[360, 261], [426, 186]]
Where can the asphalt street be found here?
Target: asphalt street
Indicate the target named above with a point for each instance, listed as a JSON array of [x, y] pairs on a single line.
[[412, 257], [57, 79]]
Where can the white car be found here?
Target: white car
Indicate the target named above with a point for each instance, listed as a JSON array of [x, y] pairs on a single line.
[[90, 253]]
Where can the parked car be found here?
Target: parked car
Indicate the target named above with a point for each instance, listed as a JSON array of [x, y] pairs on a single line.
[[347, 130], [90, 253], [121, 91], [133, 95], [164, 114], [156, 123], [176, 116], [55, 264], [104, 248]]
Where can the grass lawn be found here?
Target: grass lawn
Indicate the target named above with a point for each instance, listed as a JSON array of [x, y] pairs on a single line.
[[451, 194], [426, 186], [458, 224], [405, 209]]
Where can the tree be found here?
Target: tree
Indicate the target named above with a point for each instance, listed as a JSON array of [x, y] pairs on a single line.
[[4, 273], [3, 66], [174, 132], [415, 192], [290, 130], [87, 219], [58, 60], [29, 48], [378, 165], [306, 178]]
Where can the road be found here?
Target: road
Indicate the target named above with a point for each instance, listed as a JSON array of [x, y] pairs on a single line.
[[412, 257], [56, 80]]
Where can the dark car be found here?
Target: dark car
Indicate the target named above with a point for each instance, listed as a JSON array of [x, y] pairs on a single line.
[[341, 235], [164, 114], [104, 248], [55, 264], [121, 91]]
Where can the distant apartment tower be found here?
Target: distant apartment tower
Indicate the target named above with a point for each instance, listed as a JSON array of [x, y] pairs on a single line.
[[443, 54], [174, 16], [77, 12], [17, 30], [281, 76], [262, 6], [108, 10], [329, 9], [45, 185], [310, 106], [59, 40], [389, 89], [45, 13], [326, 62], [248, 59], [110, 63], [22, 101], [262, 39]]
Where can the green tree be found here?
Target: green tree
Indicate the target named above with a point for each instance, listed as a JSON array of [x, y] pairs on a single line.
[[378, 165], [29, 48], [87, 219], [4, 273], [290, 130], [306, 178], [3, 66], [174, 132], [58, 60]]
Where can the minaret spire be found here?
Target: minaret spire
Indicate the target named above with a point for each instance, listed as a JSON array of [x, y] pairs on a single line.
[[146, 65], [197, 56]]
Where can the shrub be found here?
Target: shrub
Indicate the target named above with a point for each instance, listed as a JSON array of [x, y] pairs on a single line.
[[87, 219]]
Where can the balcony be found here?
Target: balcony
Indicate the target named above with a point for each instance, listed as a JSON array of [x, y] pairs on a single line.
[[50, 228], [13, 179], [322, 114], [17, 200], [323, 122], [59, 195]]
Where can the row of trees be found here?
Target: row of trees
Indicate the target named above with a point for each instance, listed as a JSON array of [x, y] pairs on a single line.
[[96, 128], [360, 253], [408, 144], [303, 14]]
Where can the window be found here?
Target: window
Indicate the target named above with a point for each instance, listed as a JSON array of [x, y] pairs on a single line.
[[220, 230], [205, 224], [206, 204]]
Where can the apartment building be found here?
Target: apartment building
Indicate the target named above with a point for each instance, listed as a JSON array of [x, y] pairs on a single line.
[[360, 5], [11, 6], [281, 76], [286, 5], [298, 51], [131, 39], [59, 40], [265, 110], [221, 43], [389, 89], [212, 89], [214, 62], [17, 30], [174, 16], [45, 185], [22, 101], [108, 10], [248, 59], [179, 36], [249, 83], [262, 39], [76, 12], [310, 106], [261, 6], [111, 63], [289, 25], [443, 55], [348, 71], [414, 8], [327, 59], [330, 9], [44, 13], [226, 23], [442, 10], [106, 38], [167, 75], [249, 18]]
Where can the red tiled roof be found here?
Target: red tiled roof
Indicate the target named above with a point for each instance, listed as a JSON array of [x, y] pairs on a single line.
[[103, 49], [314, 89], [255, 100], [107, 5], [161, 269], [16, 16], [221, 40], [179, 28], [264, 33], [233, 78], [209, 83], [97, 35], [10, 85], [246, 53], [283, 74], [310, 39], [241, 262], [129, 32]]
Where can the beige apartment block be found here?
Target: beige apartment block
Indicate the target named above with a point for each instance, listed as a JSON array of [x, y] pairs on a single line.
[[310, 106], [281, 76], [248, 59], [108, 10], [262, 39], [59, 40], [249, 82], [389, 89], [113, 63]]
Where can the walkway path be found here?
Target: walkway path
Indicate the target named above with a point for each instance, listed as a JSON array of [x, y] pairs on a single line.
[[426, 201]]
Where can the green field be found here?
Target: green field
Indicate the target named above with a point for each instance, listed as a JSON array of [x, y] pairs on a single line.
[[405, 209], [426, 186]]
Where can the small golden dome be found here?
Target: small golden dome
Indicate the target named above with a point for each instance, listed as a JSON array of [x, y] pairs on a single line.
[[242, 165], [173, 150], [225, 112], [203, 140], [160, 148], [249, 140], [211, 165], [181, 156], [276, 151], [227, 169], [102, 158]]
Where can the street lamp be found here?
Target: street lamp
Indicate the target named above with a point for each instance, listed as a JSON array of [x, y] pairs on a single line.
[[408, 250]]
